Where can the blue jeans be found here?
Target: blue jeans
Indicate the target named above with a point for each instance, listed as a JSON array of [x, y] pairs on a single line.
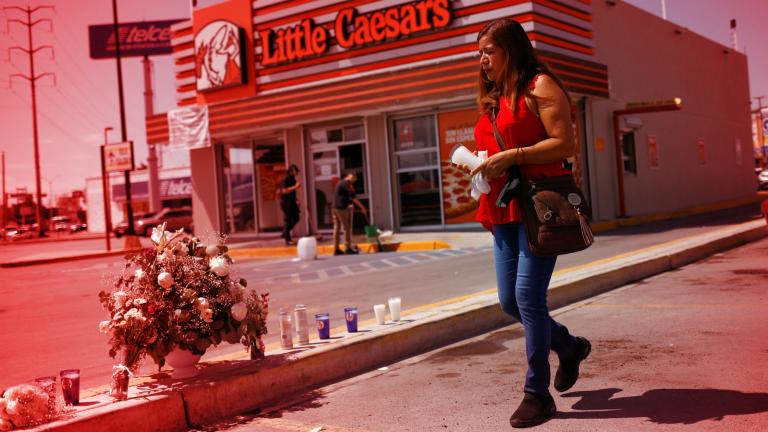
[[523, 280]]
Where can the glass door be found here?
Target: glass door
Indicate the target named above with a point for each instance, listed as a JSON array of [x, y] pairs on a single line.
[[239, 189], [417, 171], [334, 152]]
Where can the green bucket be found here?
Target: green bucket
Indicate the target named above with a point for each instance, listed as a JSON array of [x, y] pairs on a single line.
[[371, 231]]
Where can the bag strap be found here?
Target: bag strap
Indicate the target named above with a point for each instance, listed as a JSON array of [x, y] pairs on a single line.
[[499, 139]]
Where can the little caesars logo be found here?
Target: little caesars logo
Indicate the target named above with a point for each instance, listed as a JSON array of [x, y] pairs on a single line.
[[218, 56]]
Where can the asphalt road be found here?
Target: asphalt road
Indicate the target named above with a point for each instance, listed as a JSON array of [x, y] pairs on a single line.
[[49, 313], [681, 351]]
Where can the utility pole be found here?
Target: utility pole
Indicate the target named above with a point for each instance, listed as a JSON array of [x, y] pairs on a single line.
[[5, 198], [131, 232], [31, 50], [152, 166]]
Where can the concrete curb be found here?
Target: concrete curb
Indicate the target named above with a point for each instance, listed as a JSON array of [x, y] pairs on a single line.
[[65, 258], [229, 388]]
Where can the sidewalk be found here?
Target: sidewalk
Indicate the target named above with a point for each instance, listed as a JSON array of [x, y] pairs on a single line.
[[681, 351], [235, 385]]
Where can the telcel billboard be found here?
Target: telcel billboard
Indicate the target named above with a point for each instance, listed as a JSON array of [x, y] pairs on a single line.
[[136, 39]]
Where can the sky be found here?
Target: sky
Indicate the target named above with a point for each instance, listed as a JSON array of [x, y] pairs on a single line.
[[73, 113]]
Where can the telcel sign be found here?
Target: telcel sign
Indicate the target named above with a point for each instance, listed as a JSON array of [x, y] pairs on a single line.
[[352, 29], [136, 39]]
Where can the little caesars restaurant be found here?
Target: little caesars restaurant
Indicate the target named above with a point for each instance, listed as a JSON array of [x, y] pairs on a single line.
[[382, 88]]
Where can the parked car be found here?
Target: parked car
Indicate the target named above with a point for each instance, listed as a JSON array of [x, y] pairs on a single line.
[[20, 234], [176, 218], [762, 179], [60, 223], [121, 228], [77, 227]]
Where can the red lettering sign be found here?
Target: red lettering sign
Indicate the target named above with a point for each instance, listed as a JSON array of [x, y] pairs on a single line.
[[352, 30]]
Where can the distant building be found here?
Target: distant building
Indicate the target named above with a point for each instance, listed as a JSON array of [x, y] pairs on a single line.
[[175, 191]]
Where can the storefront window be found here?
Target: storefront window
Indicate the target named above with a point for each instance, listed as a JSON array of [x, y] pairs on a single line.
[[418, 178]]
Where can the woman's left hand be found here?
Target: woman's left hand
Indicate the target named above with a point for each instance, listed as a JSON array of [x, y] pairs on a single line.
[[495, 166]]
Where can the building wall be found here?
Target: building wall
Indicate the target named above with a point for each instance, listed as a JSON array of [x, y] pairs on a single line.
[[653, 59]]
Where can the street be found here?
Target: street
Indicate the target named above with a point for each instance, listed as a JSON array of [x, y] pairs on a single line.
[[681, 351], [50, 313]]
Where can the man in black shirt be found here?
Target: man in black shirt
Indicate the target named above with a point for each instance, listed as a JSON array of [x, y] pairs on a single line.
[[343, 210], [288, 202]]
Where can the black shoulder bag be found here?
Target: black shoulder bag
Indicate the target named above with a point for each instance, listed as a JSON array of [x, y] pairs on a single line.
[[555, 213]]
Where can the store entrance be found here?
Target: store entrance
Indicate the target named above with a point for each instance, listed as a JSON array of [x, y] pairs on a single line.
[[334, 152]]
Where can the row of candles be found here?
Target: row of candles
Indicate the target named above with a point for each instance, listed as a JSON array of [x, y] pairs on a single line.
[[323, 321]]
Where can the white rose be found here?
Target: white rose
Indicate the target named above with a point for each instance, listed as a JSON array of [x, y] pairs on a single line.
[[239, 311], [165, 280], [139, 274], [159, 233], [120, 297], [219, 265], [104, 326]]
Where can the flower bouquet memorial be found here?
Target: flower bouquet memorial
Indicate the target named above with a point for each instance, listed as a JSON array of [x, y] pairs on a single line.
[[179, 295]]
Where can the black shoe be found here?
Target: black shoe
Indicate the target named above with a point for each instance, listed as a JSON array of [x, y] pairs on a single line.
[[351, 251], [568, 371], [338, 252], [533, 411]]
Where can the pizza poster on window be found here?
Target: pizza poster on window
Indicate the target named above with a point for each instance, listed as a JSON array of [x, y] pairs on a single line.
[[270, 179], [456, 128]]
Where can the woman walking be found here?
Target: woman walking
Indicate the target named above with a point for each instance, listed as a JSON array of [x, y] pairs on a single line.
[[531, 109]]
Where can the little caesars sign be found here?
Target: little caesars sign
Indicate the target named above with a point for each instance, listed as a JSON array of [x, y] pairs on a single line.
[[351, 30]]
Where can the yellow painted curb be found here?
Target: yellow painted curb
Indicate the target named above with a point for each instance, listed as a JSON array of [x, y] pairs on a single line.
[[285, 251]]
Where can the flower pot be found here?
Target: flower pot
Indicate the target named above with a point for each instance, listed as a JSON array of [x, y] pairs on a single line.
[[183, 363]]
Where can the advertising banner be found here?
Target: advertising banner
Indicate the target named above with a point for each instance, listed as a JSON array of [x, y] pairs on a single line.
[[118, 157], [137, 39], [188, 127], [456, 128]]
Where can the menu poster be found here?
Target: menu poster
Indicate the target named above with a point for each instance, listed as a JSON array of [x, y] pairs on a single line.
[[456, 128]]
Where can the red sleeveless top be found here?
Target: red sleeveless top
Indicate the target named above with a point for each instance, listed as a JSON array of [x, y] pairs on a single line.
[[523, 129]]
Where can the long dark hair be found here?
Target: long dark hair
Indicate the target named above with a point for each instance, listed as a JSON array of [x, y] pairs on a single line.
[[521, 66]]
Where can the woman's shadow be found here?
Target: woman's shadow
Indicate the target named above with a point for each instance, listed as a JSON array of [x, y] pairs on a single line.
[[667, 406]]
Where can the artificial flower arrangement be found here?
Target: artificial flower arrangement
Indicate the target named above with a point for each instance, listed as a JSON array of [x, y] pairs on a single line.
[[180, 294], [28, 405]]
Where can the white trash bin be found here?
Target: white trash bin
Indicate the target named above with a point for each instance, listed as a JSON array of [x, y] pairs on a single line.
[[307, 249]]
